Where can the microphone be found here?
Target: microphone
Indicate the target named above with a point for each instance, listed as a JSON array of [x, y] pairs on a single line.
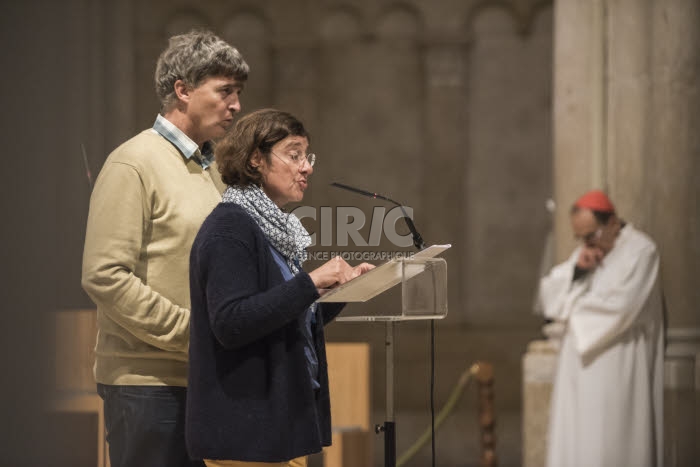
[[417, 239]]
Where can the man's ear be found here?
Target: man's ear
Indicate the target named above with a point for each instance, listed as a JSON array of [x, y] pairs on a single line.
[[182, 91]]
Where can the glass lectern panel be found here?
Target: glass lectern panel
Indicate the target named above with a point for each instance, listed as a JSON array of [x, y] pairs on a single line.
[[423, 291]]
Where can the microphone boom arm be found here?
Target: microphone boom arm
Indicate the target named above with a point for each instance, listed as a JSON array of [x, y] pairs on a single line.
[[417, 239]]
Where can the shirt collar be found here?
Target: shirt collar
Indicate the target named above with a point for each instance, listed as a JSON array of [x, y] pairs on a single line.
[[184, 143]]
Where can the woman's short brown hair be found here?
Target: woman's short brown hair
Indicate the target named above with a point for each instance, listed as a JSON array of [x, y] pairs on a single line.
[[259, 130]]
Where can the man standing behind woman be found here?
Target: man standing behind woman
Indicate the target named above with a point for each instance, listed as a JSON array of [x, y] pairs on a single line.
[[148, 203], [258, 381]]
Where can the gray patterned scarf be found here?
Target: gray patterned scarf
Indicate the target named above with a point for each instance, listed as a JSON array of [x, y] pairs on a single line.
[[283, 230]]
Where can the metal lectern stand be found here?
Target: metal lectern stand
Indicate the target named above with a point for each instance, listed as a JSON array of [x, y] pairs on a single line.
[[423, 281]]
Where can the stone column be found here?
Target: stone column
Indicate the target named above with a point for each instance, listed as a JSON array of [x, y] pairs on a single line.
[[673, 154], [578, 109], [445, 147], [251, 34], [294, 79], [654, 175]]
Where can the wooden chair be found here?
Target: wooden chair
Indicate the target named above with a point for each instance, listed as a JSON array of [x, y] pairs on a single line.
[[75, 390], [348, 378]]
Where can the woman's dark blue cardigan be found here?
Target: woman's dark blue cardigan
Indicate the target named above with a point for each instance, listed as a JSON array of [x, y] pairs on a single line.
[[249, 392]]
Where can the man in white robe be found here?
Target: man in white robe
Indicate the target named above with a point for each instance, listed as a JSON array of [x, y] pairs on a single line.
[[607, 403]]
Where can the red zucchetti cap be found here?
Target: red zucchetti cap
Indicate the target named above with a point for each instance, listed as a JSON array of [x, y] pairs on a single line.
[[595, 200]]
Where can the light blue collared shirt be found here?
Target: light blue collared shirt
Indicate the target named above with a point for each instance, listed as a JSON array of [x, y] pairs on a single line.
[[309, 319], [183, 143]]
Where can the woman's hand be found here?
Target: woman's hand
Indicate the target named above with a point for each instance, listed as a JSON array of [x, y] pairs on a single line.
[[337, 271]]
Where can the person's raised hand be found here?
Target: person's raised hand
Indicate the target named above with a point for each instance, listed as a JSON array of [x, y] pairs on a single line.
[[589, 257]]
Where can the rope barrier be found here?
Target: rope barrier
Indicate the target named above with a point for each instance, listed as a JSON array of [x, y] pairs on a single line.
[[449, 406]]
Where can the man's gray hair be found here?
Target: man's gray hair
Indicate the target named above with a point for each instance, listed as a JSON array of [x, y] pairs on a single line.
[[192, 57]]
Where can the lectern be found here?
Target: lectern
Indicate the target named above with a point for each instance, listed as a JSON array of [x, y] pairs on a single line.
[[423, 280]]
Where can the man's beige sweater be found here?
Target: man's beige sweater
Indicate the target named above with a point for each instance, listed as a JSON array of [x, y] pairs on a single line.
[[146, 208]]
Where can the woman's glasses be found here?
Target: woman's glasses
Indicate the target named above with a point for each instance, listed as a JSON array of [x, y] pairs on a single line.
[[298, 158]]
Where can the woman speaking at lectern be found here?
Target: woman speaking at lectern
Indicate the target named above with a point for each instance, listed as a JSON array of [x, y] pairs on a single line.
[[258, 381]]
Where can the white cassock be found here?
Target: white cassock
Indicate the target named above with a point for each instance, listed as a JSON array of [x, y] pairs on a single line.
[[607, 402]]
